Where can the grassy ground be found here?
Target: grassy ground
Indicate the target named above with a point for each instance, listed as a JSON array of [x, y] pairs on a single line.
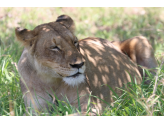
[[108, 23]]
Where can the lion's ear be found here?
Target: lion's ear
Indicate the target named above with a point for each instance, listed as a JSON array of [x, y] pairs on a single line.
[[25, 36], [66, 21]]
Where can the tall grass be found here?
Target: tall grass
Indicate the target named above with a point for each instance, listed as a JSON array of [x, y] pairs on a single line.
[[108, 23]]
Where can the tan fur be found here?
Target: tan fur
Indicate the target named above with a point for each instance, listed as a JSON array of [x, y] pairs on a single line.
[[42, 67], [140, 51]]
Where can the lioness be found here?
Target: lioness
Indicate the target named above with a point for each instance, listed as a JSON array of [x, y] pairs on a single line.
[[54, 62]]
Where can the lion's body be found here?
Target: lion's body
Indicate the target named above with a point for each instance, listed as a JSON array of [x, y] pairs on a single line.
[[53, 64], [104, 66]]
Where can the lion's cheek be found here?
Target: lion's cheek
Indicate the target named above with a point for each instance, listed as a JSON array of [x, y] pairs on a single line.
[[56, 68], [61, 70]]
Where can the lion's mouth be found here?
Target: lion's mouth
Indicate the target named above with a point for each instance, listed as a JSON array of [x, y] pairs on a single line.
[[75, 75], [74, 80]]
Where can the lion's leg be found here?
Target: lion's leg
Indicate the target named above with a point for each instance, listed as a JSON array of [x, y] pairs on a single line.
[[141, 52], [133, 56], [145, 56], [147, 61], [35, 101]]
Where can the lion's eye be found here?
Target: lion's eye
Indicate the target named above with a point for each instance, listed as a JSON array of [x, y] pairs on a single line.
[[54, 48], [76, 43]]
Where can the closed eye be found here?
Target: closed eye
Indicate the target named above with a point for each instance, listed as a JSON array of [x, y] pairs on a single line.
[[55, 48], [76, 43]]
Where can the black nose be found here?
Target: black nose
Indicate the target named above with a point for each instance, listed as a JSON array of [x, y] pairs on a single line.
[[77, 65]]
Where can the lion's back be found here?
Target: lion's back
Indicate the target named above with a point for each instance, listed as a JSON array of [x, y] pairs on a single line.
[[105, 65]]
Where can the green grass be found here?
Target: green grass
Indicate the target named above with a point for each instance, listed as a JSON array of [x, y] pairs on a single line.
[[108, 23], [138, 101]]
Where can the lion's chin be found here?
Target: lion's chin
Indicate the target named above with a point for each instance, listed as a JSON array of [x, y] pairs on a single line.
[[74, 81]]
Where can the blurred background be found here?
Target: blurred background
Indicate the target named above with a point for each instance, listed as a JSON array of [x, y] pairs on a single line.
[[108, 23]]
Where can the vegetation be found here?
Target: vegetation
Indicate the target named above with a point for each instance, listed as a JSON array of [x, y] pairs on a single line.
[[108, 23]]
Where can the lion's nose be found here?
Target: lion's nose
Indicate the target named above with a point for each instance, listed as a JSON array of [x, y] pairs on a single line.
[[77, 65]]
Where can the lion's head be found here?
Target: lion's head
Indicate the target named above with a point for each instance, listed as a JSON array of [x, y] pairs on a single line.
[[55, 50]]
